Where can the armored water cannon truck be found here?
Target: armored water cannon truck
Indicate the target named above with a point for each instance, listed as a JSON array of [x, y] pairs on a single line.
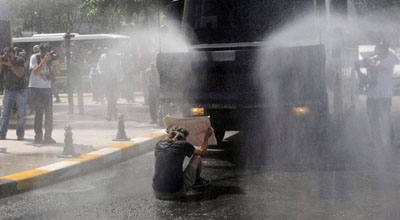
[[232, 72]]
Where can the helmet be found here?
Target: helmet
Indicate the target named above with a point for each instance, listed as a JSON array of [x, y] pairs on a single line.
[[36, 49], [19, 50]]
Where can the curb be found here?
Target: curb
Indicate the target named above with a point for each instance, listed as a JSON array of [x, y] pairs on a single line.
[[57, 172]]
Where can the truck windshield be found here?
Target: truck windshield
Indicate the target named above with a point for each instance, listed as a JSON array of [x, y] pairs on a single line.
[[227, 21]]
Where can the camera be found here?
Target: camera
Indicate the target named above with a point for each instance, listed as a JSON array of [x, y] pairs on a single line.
[[54, 55]]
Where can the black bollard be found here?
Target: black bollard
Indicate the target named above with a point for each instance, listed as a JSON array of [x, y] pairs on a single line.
[[68, 151], [121, 135]]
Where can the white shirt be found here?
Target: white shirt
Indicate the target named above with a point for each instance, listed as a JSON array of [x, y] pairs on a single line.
[[110, 64], [38, 81], [383, 87]]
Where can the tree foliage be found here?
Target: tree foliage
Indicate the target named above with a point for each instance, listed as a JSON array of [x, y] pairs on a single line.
[[137, 12], [381, 17], [48, 16], [366, 7], [45, 15]]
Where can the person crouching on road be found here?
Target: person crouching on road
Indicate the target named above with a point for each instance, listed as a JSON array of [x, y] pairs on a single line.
[[43, 68], [169, 181], [12, 71]]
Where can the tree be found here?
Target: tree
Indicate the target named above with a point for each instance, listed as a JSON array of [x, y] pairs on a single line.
[[48, 16], [370, 6], [381, 18], [111, 12], [45, 16]]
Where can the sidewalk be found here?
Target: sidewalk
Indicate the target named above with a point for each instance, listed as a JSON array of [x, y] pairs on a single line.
[[65, 95], [91, 132]]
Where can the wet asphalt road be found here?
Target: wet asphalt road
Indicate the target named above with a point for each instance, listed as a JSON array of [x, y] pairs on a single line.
[[124, 192], [363, 184]]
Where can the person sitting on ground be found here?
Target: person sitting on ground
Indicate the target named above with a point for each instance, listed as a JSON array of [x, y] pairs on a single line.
[[169, 181]]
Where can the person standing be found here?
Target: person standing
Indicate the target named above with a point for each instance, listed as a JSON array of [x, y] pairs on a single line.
[[153, 90], [21, 53], [142, 66], [43, 67], [74, 80], [54, 89], [12, 70], [380, 69], [109, 68], [128, 67], [95, 79], [31, 106]]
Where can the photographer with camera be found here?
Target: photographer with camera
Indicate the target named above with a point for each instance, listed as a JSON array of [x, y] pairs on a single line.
[[12, 71], [378, 83], [43, 66]]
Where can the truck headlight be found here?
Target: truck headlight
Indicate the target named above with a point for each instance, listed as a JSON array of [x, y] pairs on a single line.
[[197, 111], [301, 111]]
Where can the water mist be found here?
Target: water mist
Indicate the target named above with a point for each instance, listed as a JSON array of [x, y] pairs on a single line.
[[344, 162]]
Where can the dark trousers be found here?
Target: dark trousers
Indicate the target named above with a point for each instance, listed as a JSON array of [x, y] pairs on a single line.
[[10, 99], [128, 90], [153, 102], [75, 84], [111, 93], [30, 101], [55, 90], [378, 110], [97, 86], [43, 103]]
